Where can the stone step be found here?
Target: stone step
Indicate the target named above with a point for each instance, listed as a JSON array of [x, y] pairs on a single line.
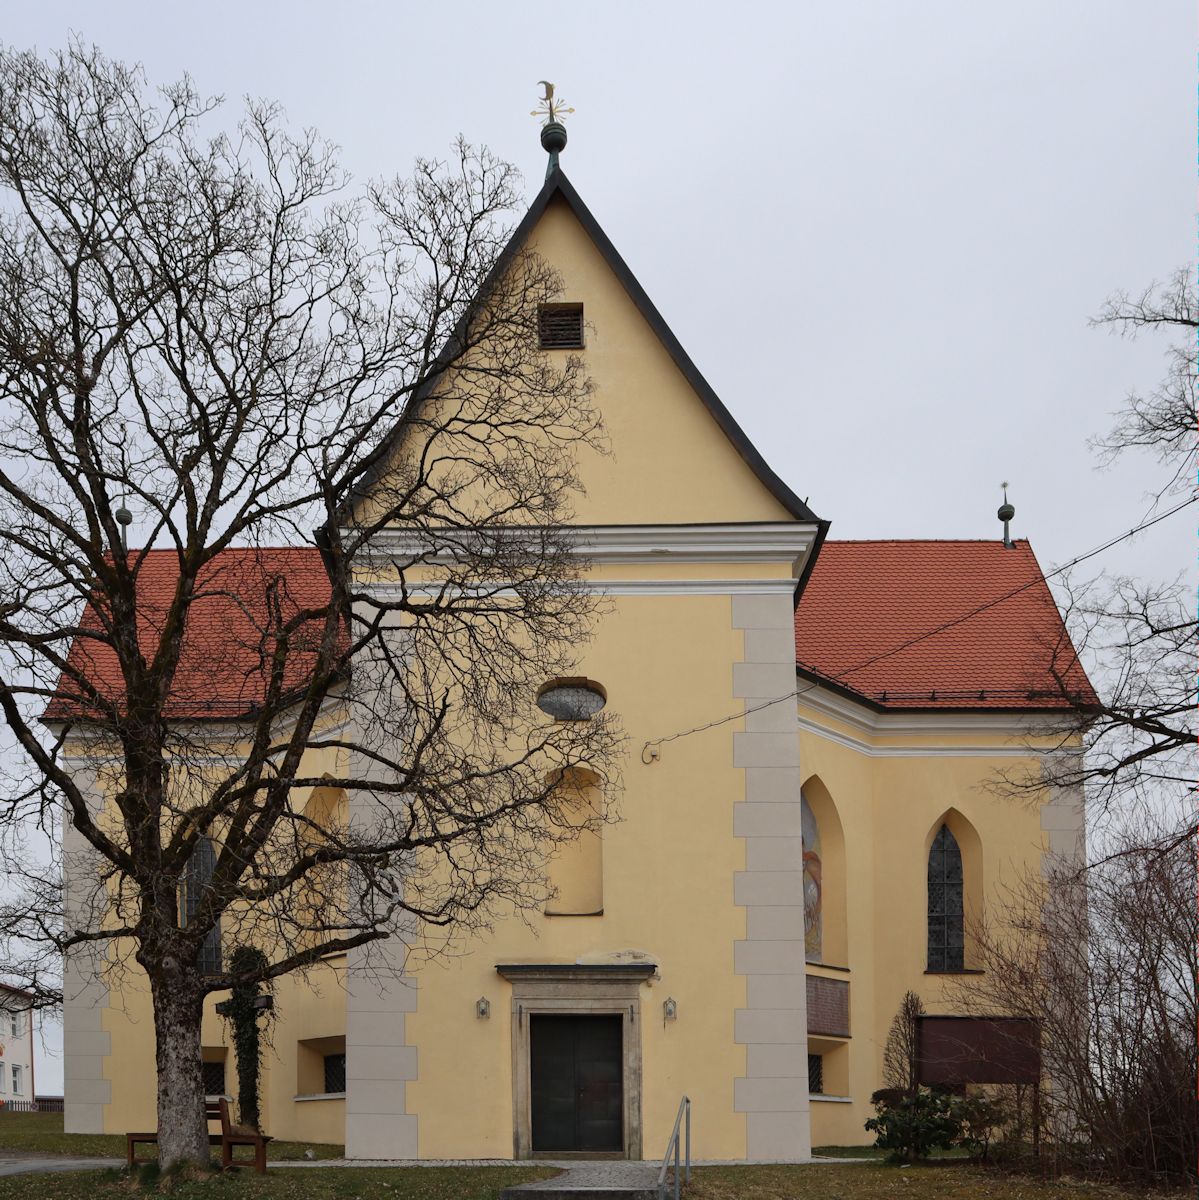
[[579, 1192], [612, 1180]]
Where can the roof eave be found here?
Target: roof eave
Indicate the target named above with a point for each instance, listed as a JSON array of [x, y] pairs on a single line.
[[1081, 710]]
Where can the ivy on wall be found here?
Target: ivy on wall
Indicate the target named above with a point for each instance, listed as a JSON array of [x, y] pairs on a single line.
[[242, 1011]]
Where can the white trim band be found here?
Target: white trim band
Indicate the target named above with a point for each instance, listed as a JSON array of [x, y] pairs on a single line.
[[767, 542], [613, 587], [852, 743]]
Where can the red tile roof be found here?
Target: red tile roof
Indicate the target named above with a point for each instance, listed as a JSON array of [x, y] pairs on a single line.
[[869, 621], [225, 658], [936, 624]]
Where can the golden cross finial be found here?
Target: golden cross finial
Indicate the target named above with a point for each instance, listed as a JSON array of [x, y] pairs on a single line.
[[549, 109]]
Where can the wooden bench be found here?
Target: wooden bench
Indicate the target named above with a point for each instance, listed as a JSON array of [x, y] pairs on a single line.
[[230, 1136], [212, 1112]]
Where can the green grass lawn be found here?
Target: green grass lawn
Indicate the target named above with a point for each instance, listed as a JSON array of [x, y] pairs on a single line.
[[854, 1181], [354, 1183], [874, 1153], [41, 1133], [821, 1182], [849, 1152]]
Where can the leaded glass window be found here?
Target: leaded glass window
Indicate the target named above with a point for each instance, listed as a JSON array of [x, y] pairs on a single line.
[[196, 877], [946, 941]]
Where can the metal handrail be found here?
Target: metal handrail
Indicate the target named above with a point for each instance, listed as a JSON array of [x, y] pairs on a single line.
[[683, 1117]]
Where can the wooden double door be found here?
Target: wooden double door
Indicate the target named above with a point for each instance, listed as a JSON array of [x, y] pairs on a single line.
[[577, 1083]]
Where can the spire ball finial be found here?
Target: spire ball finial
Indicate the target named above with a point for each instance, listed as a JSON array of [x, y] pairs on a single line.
[[553, 132], [1006, 512], [124, 519], [553, 138]]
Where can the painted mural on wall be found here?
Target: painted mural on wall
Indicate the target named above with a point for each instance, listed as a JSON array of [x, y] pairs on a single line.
[[813, 922]]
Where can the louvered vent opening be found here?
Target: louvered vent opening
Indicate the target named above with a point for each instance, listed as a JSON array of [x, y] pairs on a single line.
[[561, 326]]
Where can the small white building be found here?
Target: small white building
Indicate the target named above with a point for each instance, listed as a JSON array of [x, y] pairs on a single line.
[[16, 1046]]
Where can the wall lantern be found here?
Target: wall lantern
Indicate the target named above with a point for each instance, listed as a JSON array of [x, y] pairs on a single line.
[[670, 1009], [571, 699], [482, 1008]]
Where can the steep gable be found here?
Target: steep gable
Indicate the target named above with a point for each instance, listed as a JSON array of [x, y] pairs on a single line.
[[677, 456]]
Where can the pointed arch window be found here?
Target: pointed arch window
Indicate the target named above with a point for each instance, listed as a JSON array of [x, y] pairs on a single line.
[[946, 934], [196, 877], [813, 900]]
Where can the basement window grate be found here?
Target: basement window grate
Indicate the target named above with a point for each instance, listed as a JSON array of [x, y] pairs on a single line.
[[561, 326], [816, 1074], [214, 1078], [335, 1073]]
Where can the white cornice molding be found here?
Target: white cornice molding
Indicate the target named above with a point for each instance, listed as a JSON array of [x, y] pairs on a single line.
[[634, 545], [219, 732], [867, 720], [761, 542], [607, 587], [945, 751], [764, 543]]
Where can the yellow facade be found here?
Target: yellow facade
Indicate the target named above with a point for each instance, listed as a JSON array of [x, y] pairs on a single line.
[[699, 877]]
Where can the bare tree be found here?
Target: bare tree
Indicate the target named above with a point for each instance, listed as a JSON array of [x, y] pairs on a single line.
[[1138, 637], [1162, 422], [1108, 970], [901, 1054], [306, 751]]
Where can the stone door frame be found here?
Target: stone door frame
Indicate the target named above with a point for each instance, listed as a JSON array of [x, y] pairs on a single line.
[[575, 990]]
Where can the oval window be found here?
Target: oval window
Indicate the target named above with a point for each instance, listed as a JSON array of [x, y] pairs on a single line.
[[571, 699]]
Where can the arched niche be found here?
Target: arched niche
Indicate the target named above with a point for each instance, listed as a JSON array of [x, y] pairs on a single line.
[[327, 809], [824, 877], [969, 846], [576, 870], [324, 818]]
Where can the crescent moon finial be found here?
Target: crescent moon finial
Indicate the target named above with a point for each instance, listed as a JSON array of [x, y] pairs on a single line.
[[549, 109]]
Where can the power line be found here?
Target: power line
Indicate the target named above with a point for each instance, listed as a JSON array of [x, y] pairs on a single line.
[[647, 751], [719, 721]]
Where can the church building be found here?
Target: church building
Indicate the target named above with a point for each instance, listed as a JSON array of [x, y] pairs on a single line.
[[809, 822]]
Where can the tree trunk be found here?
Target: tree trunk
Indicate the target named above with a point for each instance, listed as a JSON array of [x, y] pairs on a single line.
[[182, 1129]]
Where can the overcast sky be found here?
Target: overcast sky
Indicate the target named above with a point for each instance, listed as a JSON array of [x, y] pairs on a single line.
[[878, 228]]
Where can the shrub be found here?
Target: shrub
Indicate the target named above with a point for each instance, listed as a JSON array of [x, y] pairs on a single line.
[[915, 1125], [983, 1118]]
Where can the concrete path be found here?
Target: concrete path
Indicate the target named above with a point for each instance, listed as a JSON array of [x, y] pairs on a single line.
[[609, 1180], [616, 1176], [404, 1162], [42, 1164]]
